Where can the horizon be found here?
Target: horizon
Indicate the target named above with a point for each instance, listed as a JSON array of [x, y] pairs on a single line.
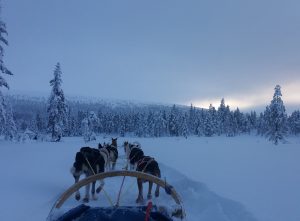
[[95, 99]]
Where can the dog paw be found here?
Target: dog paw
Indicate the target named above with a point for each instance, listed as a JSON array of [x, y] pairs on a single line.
[[77, 197], [98, 190], [85, 200], [139, 200]]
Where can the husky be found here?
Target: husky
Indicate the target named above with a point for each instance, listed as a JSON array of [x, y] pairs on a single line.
[[147, 165], [133, 154], [112, 152], [88, 161], [106, 156]]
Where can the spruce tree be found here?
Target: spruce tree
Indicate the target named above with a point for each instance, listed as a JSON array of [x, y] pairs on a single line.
[[173, 122], [277, 118], [7, 124], [192, 120], [294, 122], [231, 125], [10, 131], [222, 115], [89, 126], [57, 108], [209, 122]]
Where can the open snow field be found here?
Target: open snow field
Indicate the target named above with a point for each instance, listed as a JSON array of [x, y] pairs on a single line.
[[219, 178]]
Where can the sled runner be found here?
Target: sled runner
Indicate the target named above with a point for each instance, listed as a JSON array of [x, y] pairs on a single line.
[[115, 212]]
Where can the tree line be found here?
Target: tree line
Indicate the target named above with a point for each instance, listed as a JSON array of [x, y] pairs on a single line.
[[58, 117]]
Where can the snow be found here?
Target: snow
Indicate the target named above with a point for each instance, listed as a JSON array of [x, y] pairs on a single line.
[[219, 178]]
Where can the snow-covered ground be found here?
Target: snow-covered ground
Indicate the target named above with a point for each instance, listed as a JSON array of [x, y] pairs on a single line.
[[219, 178]]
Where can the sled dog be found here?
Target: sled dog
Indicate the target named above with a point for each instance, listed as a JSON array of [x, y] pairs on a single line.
[[133, 154], [147, 165], [88, 161]]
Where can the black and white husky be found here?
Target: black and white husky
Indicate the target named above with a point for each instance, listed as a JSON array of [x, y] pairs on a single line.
[[133, 154], [112, 151], [88, 161], [147, 165], [106, 156]]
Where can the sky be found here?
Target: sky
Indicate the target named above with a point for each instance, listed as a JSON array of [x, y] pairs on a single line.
[[165, 51]]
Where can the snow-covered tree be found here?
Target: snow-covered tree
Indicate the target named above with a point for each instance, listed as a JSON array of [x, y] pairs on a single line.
[[277, 119], [173, 122], [231, 125], [7, 124], [210, 125], [161, 124], [89, 126], [183, 125], [192, 120], [10, 131], [294, 122], [150, 124], [39, 123], [221, 116], [253, 120], [57, 108], [200, 122]]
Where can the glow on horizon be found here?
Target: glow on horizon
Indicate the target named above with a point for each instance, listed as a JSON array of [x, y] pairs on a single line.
[[251, 101]]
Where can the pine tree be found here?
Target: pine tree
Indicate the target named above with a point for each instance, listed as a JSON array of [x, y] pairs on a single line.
[[183, 125], [238, 117], [210, 126], [10, 131], [158, 124], [263, 120], [253, 119], [150, 124], [231, 125], [79, 119], [173, 122], [7, 124], [200, 121], [192, 120], [122, 125], [277, 119], [39, 123], [89, 126], [294, 122], [57, 108], [222, 115]]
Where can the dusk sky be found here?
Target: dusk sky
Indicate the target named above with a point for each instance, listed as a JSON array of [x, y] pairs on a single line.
[[166, 51]]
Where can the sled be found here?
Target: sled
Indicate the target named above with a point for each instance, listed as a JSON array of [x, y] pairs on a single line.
[[148, 212]]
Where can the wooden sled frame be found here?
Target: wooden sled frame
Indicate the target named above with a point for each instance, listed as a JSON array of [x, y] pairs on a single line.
[[118, 173]]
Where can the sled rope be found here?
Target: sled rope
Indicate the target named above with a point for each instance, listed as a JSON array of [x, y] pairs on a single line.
[[105, 193], [119, 194], [142, 161]]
